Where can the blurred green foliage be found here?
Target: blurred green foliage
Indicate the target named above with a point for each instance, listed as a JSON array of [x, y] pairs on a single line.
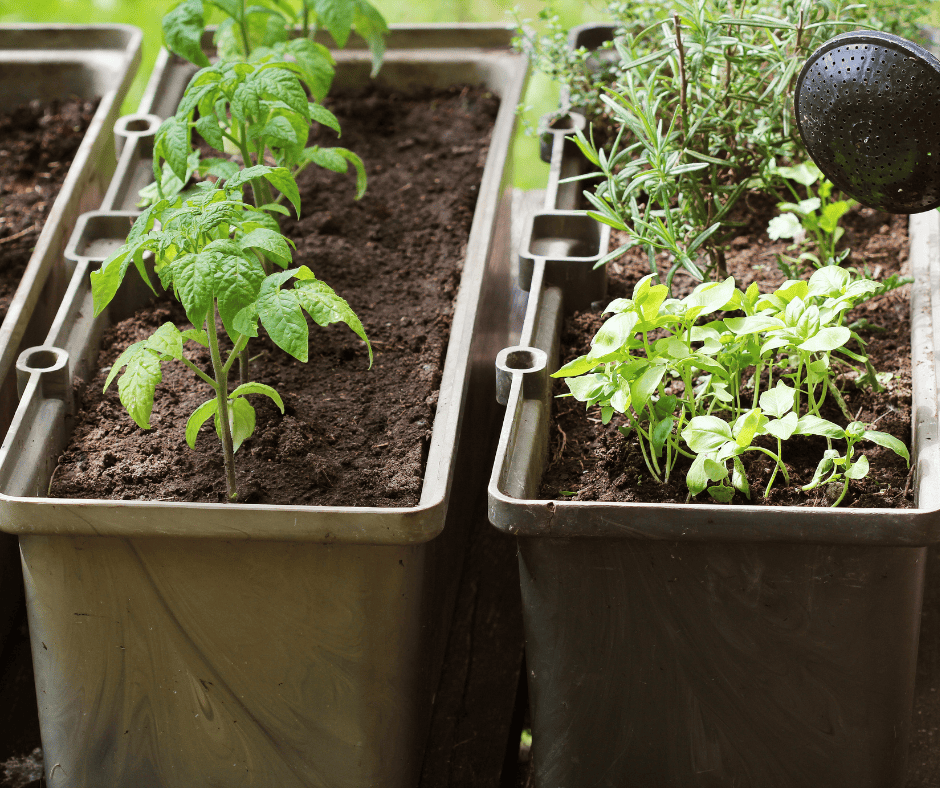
[[541, 97]]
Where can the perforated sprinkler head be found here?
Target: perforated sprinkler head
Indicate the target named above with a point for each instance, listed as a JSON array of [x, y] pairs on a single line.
[[868, 108]]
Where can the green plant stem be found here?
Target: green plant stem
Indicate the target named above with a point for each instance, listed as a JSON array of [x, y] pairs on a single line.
[[241, 345], [198, 371], [221, 394], [243, 28], [838, 398]]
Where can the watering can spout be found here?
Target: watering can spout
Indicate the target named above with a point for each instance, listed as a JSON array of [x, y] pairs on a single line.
[[865, 106]]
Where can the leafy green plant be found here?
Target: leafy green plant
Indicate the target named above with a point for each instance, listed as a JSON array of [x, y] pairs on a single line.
[[269, 25], [817, 215], [715, 384], [205, 249], [259, 109]]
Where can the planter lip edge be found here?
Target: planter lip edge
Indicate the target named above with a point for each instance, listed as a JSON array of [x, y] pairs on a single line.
[[329, 524], [41, 259], [914, 527]]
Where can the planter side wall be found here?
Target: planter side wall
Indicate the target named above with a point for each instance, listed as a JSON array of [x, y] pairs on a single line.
[[694, 664]]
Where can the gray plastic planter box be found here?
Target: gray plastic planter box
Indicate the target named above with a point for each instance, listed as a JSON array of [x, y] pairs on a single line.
[[244, 645], [685, 646], [48, 62]]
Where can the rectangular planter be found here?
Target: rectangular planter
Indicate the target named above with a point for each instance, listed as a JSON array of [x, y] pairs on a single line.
[[709, 645], [247, 645], [49, 62]]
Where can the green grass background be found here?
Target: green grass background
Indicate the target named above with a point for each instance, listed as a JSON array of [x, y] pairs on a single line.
[[541, 97]]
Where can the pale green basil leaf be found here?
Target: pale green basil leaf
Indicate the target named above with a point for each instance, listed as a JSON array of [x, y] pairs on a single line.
[[786, 225], [889, 442], [858, 469], [778, 400], [642, 389], [747, 426], [586, 388], [830, 281], [753, 324], [660, 433], [613, 335], [813, 425], [706, 433], [576, 367], [739, 478], [826, 465], [783, 428], [696, 479], [710, 297], [721, 493], [620, 399], [715, 471], [827, 339]]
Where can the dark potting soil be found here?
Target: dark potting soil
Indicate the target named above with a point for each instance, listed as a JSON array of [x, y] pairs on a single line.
[[37, 144], [596, 463], [350, 435]]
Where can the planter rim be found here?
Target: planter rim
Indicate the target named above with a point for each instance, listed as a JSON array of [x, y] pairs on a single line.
[[525, 516], [20, 514], [30, 43]]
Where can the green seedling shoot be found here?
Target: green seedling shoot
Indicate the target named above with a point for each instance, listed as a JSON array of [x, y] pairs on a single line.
[[207, 249], [672, 375]]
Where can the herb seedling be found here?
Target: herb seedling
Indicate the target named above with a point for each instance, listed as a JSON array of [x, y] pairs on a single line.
[[817, 214], [691, 380]]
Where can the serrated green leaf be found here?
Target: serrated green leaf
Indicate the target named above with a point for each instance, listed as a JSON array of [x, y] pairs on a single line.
[[193, 278], [371, 25], [281, 179], [208, 129], [237, 282], [325, 307], [246, 321], [277, 81], [271, 244], [360, 168], [199, 417], [279, 133], [196, 335], [172, 144], [167, 341], [324, 117], [316, 64], [327, 158], [138, 383], [220, 168], [182, 31], [336, 16], [280, 314]]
